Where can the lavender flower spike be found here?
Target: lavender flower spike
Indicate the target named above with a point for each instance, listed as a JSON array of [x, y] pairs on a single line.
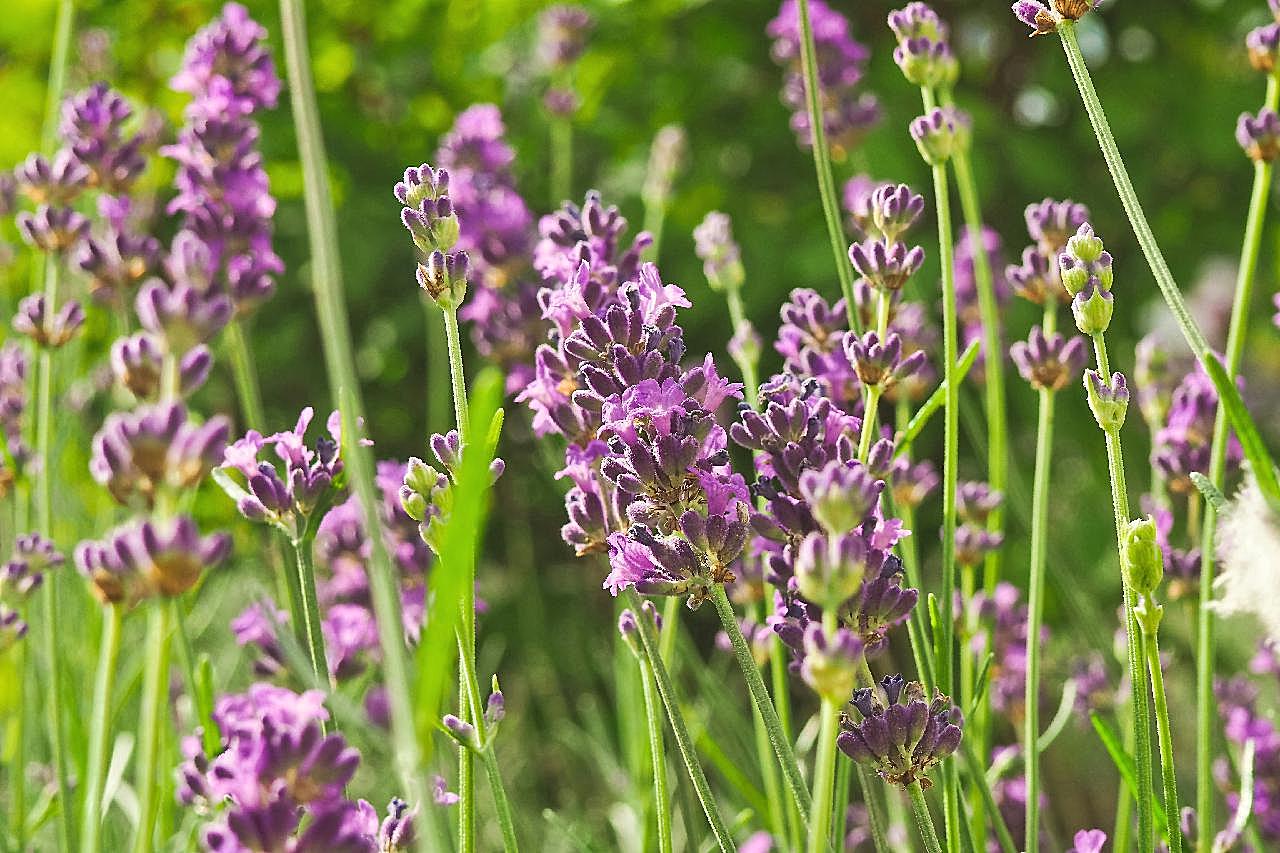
[[1048, 362], [1260, 136], [53, 331], [900, 735]]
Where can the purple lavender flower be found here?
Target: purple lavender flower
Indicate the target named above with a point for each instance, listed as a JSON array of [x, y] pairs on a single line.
[[1259, 136], [1036, 16], [923, 52], [116, 262], [13, 406], [222, 187], [1051, 223], [1182, 443], [284, 497], [12, 628], [92, 129], [147, 559], [227, 67], [900, 734], [715, 247], [937, 134], [856, 196], [1263, 45], [830, 664], [53, 230], [180, 315], [136, 454], [881, 365], [137, 363], [912, 483], [1048, 362], [425, 494], [32, 556], [52, 331], [562, 35], [55, 183], [256, 626], [810, 341], [846, 114]]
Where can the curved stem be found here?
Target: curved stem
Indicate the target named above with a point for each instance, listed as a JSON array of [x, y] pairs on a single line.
[[155, 695], [679, 728], [822, 161], [1206, 708], [1172, 812], [245, 375], [923, 821], [824, 776], [658, 753], [344, 388], [1139, 697], [746, 662], [100, 732], [1035, 610]]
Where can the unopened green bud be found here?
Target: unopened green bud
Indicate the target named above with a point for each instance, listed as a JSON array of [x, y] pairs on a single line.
[[1108, 400], [1141, 559], [1092, 308]]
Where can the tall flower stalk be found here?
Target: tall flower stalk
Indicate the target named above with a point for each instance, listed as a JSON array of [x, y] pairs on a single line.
[[1085, 272], [1263, 156], [345, 390]]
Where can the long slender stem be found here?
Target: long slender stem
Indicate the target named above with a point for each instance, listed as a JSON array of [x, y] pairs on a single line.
[[658, 754], [993, 367], [345, 389], [309, 604], [17, 770], [950, 472], [759, 695], [245, 374], [100, 732], [1035, 610], [822, 161], [501, 804], [155, 695], [1150, 642], [1139, 697], [56, 698], [457, 375], [824, 776], [1206, 709], [951, 421], [923, 821], [675, 716]]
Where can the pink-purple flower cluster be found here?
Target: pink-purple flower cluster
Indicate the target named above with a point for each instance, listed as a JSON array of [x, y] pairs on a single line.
[[278, 782], [847, 114], [225, 244]]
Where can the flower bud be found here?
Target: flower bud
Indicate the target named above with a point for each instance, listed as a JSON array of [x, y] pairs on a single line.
[[1142, 560], [1109, 401], [829, 570], [1092, 308], [830, 664], [935, 135], [1259, 136], [444, 278]]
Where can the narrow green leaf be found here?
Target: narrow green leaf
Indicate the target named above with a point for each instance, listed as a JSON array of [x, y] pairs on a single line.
[[459, 538], [1123, 761], [1242, 422]]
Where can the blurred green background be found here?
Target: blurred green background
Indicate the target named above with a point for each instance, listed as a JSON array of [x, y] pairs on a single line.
[[392, 75]]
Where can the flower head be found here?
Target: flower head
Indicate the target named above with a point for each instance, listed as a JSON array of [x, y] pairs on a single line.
[[900, 734], [1048, 362], [147, 559], [1259, 135]]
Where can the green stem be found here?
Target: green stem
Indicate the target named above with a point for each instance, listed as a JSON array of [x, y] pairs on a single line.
[[822, 162], [746, 662], [675, 716], [1206, 708], [824, 776], [200, 700], [439, 411], [844, 787], [923, 821], [561, 160], [951, 428], [457, 376], [909, 429], [245, 375], [155, 699], [344, 388], [670, 629], [870, 422], [56, 698], [17, 769], [749, 368], [658, 753], [993, 368], [312, 632], [100, 732], [501, 804], [1161, 704], [1035, 611], [1139, 697]]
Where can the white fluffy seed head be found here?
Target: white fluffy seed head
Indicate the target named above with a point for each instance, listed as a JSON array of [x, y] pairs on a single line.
[[1248, 546]]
